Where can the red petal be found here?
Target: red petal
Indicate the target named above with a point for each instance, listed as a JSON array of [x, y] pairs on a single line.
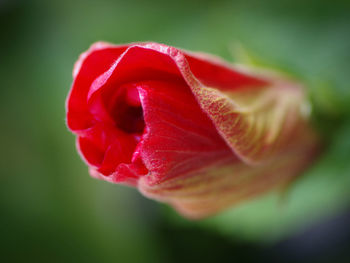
[[105, 147], [179, 138], [90, 65], [208, 192]]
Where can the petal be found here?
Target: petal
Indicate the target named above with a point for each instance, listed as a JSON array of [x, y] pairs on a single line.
[[127, 174], [109, 153], [257, 118], [255, 121], [90, 65], [202, 194], [256, 124], [180, 138], [104, 147], [120, 151]]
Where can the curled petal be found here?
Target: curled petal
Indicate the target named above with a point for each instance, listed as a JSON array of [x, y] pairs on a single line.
[[180, 138], [89, 66], [255, 118]]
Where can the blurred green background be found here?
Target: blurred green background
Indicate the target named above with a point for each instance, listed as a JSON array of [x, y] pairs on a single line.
[[52, 211]]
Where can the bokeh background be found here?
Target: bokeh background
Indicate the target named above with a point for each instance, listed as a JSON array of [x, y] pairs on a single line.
[[52, 211]]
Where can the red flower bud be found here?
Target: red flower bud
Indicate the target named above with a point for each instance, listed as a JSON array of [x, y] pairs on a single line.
[[185, 128]]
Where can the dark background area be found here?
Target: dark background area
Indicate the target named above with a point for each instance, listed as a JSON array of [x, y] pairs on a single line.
[[52, 211]]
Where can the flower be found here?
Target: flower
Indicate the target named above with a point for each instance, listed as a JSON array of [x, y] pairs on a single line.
[[185, 128]]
